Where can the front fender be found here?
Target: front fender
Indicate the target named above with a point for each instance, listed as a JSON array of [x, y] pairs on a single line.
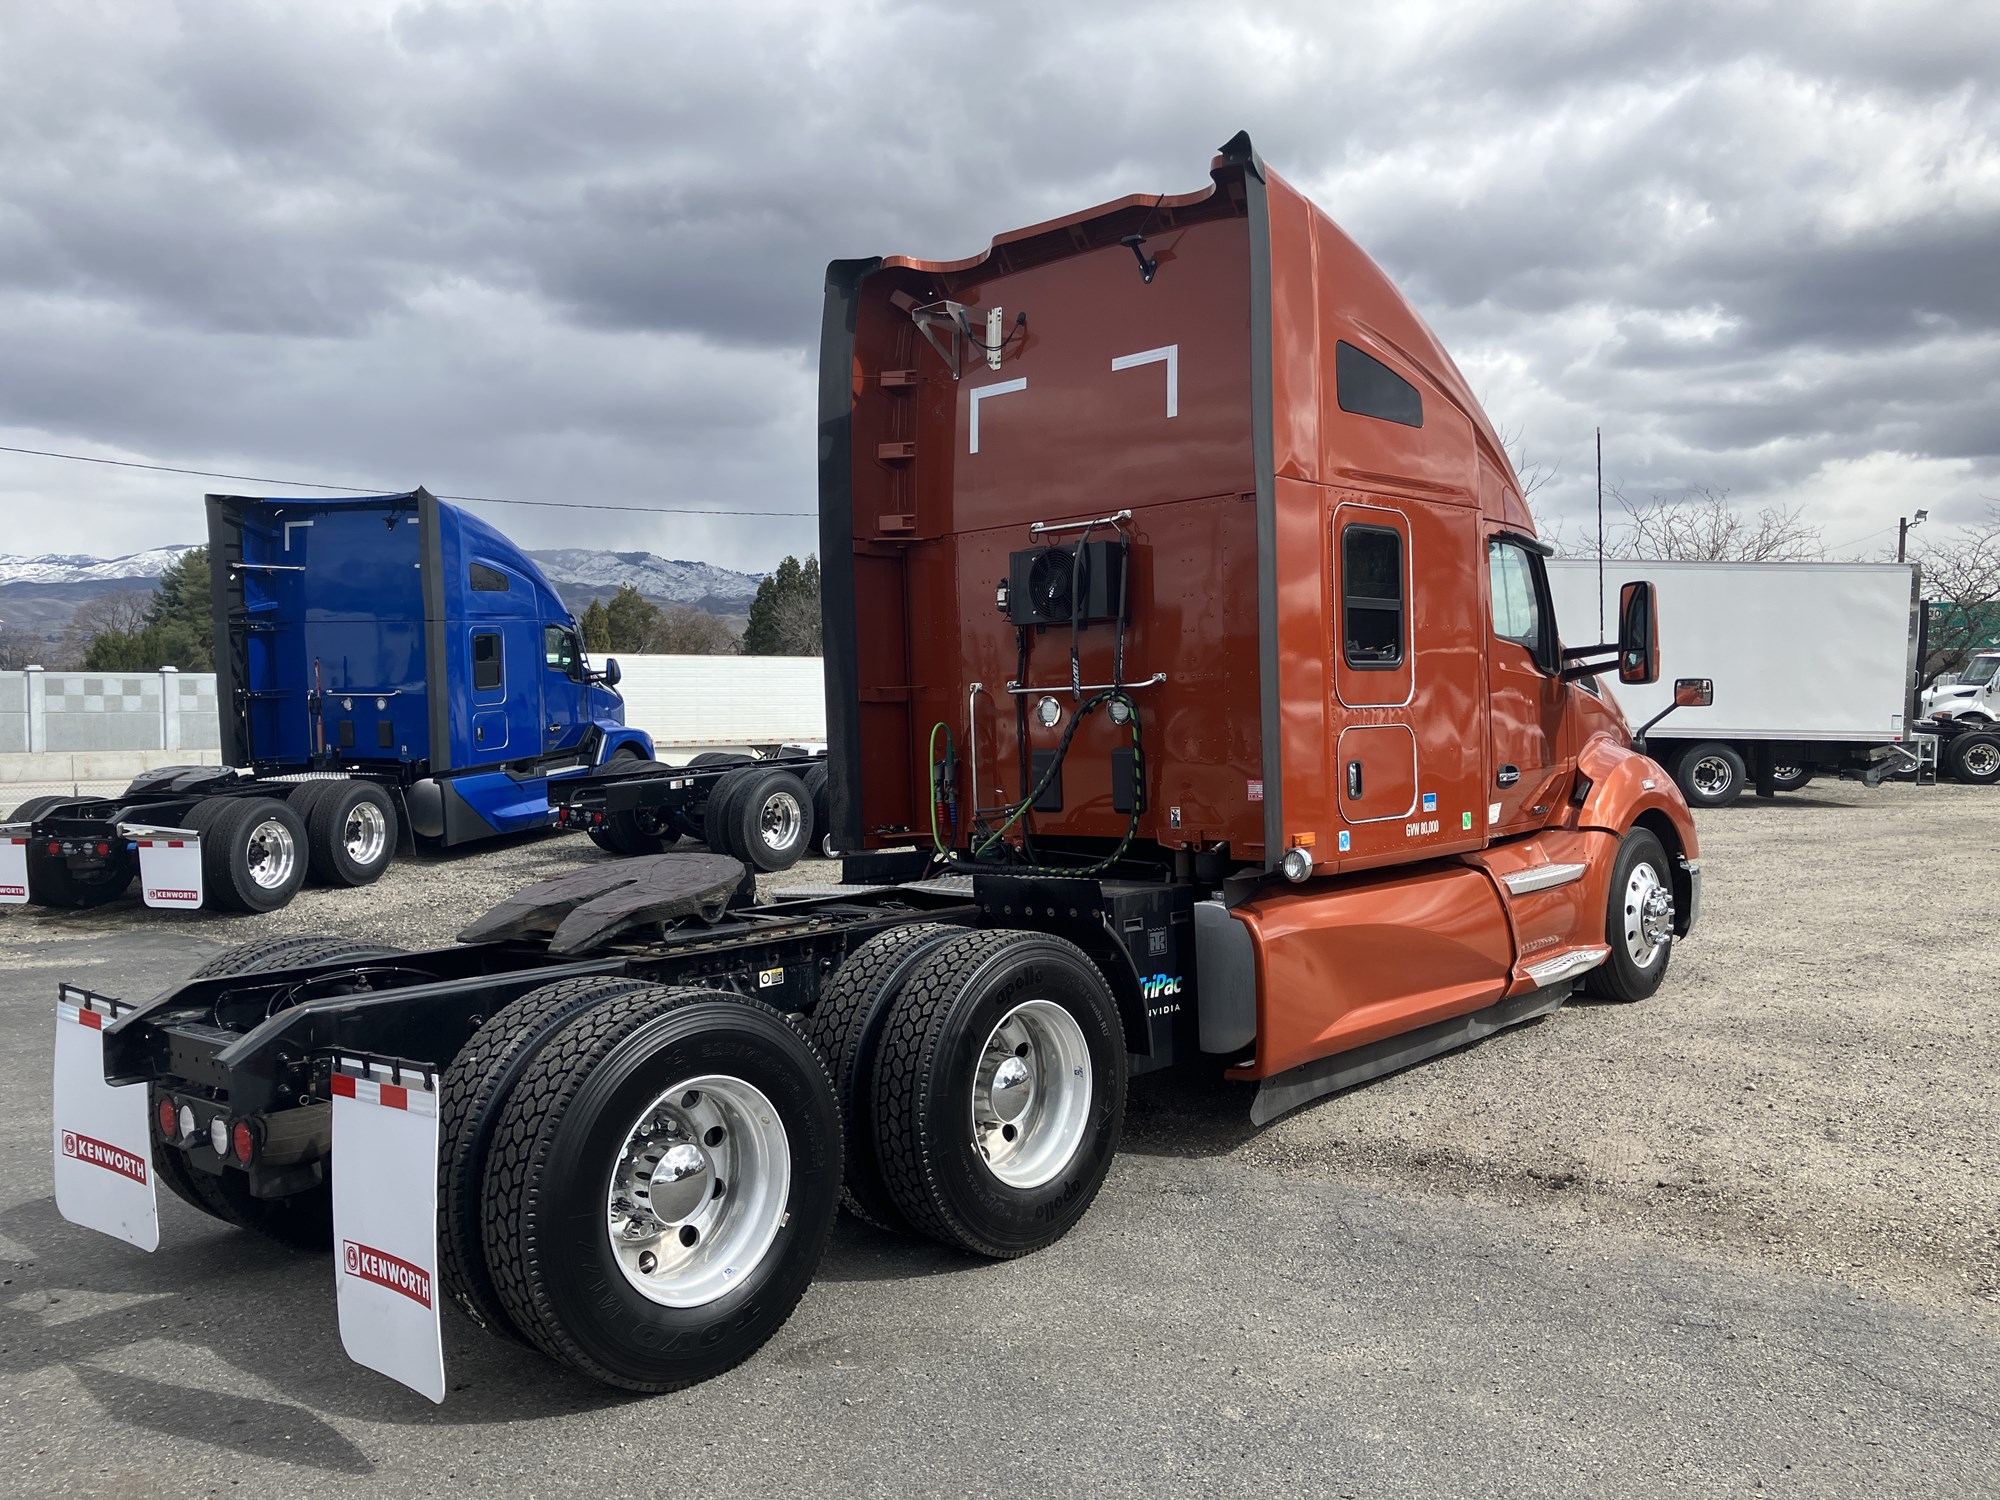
[[1630, 790], [618, 735]]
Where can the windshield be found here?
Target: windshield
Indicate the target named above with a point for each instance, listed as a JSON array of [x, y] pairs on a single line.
[[1979, 671]]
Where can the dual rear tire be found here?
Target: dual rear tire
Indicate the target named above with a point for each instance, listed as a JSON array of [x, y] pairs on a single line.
[[983, 1075], [762, 815], [637, 1180]]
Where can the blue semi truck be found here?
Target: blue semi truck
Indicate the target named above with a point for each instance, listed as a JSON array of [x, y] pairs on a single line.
[[386, 665]]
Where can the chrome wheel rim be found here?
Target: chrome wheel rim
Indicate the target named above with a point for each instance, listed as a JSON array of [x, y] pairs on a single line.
[[366, 834], [1787, 773], [779, 821], [1649, 916], [1031, 1094], [1980, 760], [272, 854], [1711, 775], [698, 1192]]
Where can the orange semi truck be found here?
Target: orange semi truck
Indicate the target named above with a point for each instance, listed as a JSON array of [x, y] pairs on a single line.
[[1194, 698]]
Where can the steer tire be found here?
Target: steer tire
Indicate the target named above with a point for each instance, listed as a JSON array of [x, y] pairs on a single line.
[[303, 1221], [1710, 774], [926, 1068], [350, 831], [785, 797], [1622, 977], [471, 1093], [51, 882], [561, 1142], [846, 1025], [234, 831], [1975, 758]]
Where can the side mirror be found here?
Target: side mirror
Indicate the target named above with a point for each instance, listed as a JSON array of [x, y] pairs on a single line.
[[1638, 634], [1694, 692], [610, 675]]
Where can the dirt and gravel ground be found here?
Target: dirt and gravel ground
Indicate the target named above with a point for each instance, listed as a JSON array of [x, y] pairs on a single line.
[[1815, 1085], [1742, 1238]]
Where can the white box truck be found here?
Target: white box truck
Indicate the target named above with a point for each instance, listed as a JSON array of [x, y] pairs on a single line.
[[1814, 666]]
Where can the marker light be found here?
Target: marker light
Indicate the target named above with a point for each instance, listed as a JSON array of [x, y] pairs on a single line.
[[1049, 712], [218, 1134], [1119, 709], [1297, 864]]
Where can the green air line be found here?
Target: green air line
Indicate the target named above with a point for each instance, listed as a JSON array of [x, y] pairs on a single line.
[[937, 839]]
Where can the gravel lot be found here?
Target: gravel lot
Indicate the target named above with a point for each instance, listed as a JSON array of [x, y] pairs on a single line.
[[1741, 1238]]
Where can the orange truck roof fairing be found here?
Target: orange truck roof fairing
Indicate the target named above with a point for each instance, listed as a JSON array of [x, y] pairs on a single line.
[[1230, 368]]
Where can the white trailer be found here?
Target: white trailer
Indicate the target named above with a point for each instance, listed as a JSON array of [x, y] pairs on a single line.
[[715, 703], [1814, 666]]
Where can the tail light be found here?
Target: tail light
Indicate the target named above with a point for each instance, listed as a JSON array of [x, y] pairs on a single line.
[[243, 1141], [169, 1119]]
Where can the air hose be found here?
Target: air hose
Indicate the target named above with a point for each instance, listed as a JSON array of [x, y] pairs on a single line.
[[980, 850]]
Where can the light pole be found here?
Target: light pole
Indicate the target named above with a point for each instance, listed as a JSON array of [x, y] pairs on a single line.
[[1903, 531]]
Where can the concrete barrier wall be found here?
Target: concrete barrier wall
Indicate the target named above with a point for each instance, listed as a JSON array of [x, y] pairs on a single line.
[[83, 713]]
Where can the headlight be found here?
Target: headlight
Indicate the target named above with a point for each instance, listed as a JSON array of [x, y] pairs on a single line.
[[1297, 864]]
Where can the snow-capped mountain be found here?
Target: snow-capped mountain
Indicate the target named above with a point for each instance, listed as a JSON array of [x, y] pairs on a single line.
[[41, 593], [61, 567], [665, 580]]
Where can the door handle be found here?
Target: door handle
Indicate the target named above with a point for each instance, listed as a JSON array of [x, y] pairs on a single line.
[[1354, 779], [555, 729], [1507, 775]]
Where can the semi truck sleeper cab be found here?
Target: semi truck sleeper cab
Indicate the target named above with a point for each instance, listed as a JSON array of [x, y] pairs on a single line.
[[1195, 699]]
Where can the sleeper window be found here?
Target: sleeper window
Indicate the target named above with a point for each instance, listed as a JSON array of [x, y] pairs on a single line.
[[1371, 597], [486, 661]]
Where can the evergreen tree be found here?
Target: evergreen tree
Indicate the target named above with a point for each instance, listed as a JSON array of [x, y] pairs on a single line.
[[784, 617], [177, 631], [630, 620], [596, 629]]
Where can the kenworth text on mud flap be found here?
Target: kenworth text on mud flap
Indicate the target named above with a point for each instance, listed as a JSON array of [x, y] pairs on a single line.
[[1194, 699], [384, 664]]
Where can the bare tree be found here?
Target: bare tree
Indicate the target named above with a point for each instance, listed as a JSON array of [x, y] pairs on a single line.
[[21, 647], [1961, 579], [125, 612], [795, 623], [685, 631], [1698, 524]]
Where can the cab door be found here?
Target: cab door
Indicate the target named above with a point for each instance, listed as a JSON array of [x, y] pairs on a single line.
[[1529, 776], [565, 700]]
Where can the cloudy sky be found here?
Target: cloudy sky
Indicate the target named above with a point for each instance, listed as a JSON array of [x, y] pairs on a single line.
[[574, 251]]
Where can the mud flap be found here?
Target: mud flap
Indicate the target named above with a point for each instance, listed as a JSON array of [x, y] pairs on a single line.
[[13, 864], [385, 1155], [103, 1136], [169, 865]]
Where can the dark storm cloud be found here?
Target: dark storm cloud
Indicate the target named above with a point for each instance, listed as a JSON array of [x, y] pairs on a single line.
[[546, 249]]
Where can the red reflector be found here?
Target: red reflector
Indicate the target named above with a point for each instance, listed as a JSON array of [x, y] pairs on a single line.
[[243, 1142], [169, 1119]]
